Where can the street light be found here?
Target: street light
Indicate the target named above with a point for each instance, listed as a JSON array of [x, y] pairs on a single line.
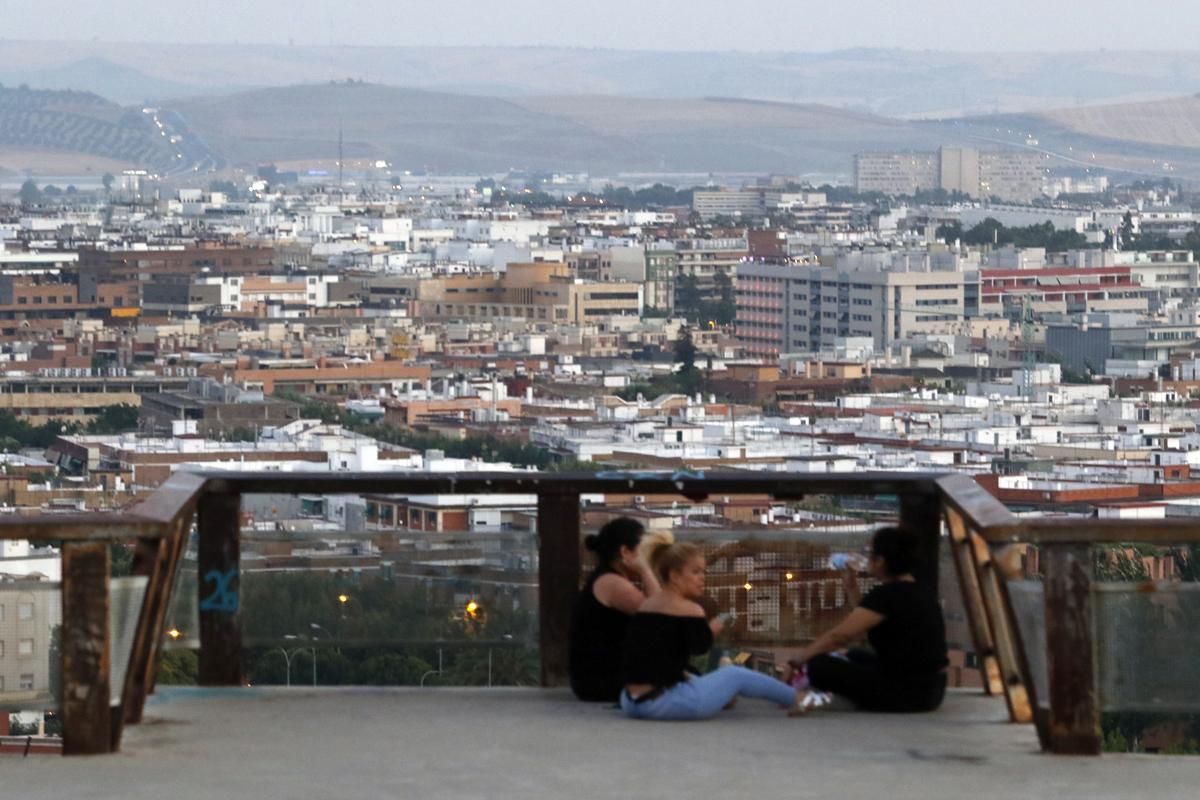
[[288, 655]]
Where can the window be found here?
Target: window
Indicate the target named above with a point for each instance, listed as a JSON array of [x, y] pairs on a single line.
[[1, 648], [25, 647], [53, 299], [37, 301], [26, 681], [24, 611], [22, 301]]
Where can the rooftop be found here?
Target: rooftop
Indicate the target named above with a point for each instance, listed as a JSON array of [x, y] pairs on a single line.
[[523, 743]]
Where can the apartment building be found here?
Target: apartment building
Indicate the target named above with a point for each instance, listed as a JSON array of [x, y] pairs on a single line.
[[30, 611], [722, 203], [167, 265], [784, 308], [702, 259], [1014, 176], [662, 264], [541, 292], [1017, 177], [1064, 290], [896, 173]]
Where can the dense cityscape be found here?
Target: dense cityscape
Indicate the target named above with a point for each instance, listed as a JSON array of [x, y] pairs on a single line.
[[174, 300]]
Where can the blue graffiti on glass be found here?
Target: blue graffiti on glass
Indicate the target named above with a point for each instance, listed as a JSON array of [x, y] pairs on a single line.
[[223, 598]]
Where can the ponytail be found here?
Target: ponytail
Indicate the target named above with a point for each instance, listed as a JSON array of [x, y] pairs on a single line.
[[665, 555]]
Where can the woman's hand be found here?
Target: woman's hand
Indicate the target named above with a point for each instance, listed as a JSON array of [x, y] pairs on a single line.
[[716, 625], [640, 568]]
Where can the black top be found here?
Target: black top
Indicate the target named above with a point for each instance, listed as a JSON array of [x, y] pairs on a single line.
[[659, 645], [597, 638], [911, 640]]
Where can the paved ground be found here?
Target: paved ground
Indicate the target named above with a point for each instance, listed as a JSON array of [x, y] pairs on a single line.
[[339, 744]]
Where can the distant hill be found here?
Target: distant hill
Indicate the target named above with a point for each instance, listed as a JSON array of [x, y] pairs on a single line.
[[438, 131], [899, 83], [78, 122], [1173, 122], [110, 80]]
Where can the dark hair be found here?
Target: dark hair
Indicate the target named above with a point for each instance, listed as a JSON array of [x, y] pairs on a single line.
[[898, 549], [607, 543]]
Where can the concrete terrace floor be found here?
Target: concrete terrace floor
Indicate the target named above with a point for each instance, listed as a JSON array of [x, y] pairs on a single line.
[[339, 744]]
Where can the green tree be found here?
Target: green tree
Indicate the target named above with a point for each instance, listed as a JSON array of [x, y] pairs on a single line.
[[121, 418], [687, 296], [685, 350], [724, 310], [29, 194], [178, 668], [392, 669]]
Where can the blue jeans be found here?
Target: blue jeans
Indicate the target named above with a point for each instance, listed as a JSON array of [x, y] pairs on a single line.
[[704, 696]]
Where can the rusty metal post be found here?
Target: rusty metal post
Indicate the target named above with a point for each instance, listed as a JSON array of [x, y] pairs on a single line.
[[218, 583], [1074, 727], [558, 581], [86, 694]]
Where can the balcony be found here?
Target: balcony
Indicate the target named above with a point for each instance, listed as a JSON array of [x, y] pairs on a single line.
[[1033, 606]]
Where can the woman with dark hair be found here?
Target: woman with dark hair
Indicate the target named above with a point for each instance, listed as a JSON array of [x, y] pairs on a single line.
[[901, 618], [603, 609], [667, 631]]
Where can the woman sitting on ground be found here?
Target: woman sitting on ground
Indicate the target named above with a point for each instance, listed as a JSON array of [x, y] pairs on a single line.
[[903, 623], [603, 609], [667, 631]]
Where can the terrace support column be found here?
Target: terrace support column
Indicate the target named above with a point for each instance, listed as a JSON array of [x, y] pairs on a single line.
[[1074, 725], [922, 514], [218, 583], [86, 662], [558, 581]]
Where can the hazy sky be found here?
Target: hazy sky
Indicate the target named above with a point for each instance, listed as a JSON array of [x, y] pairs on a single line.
[[636, 24]]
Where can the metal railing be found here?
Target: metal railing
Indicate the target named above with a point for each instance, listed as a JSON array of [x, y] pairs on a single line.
[[162, 524]]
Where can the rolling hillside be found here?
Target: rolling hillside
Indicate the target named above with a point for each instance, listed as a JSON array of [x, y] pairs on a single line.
[[1171, 123], [78, 122], [598, 133]]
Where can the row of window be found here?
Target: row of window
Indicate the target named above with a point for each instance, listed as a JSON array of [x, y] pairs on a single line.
[[24, 611], [24, 648], [26, 682], [49, 300]]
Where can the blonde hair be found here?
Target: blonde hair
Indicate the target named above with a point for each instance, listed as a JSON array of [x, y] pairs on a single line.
[[665, 555]]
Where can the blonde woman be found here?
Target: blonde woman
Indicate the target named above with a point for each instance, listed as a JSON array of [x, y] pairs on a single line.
[[667, 631]]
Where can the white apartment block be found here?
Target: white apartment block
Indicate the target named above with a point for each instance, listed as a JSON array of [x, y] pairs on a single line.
[[1013, 176], [787, 308], [723, 203]]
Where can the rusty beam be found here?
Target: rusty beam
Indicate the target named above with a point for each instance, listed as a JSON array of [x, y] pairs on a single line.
[[1004, 631], [558, 581], [962, 554], [1074, 724], [97, 527], [160, 563], [684, 482], [218, 583], [977, 506], [87, 727]]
